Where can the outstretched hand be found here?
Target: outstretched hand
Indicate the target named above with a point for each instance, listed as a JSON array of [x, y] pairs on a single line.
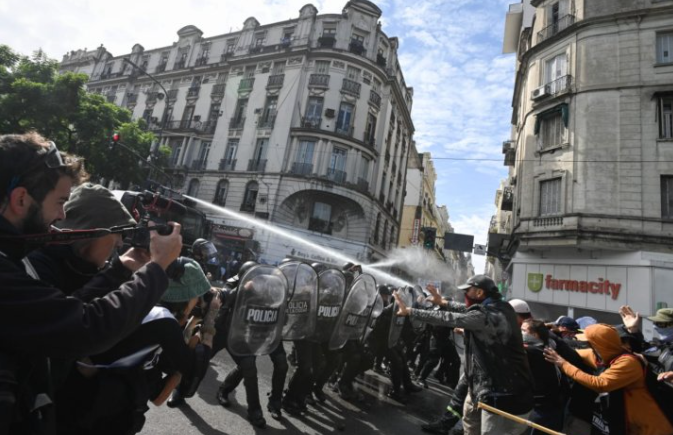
[[434, 297], [402, 309], [630, 318], [551, 356]]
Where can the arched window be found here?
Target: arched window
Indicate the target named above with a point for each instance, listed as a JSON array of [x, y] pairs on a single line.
[[193, 189], [393, 242], [221, 193], [250, 197]]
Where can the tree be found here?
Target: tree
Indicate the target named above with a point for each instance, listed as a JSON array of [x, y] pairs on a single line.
[[33, 96]]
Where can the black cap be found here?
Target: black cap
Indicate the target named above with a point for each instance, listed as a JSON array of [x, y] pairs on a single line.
[[480, 281]]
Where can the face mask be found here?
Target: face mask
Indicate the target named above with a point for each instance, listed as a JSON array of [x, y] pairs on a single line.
[[531, 339], [665, 334]]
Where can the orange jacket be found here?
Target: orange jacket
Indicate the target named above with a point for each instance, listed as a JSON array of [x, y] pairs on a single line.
[[643, 416]]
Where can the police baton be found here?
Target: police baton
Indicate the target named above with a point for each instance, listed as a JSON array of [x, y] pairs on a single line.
[[517, 419]]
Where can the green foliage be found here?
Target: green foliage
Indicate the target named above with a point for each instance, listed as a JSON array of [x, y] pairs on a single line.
[[33, 96]]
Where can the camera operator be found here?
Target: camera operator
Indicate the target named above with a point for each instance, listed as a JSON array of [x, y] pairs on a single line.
[[39, 321]]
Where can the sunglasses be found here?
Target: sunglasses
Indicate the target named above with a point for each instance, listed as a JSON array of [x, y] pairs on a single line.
[[52, 159]]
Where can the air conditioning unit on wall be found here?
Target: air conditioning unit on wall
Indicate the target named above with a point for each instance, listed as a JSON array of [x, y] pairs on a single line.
[[540, 92]]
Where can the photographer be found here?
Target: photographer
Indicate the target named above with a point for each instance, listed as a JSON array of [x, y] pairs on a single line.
[[38, 320]]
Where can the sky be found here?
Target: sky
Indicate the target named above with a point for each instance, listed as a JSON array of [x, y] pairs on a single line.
[[450, 53]]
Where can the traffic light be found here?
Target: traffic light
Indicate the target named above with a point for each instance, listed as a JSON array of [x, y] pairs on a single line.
[[429, 235], [114, 140]]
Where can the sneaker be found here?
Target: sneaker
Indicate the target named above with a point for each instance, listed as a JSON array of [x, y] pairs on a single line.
[[175, 400], [223, 397], [256, 417], [274, 408], [319, 394], [441, 426]]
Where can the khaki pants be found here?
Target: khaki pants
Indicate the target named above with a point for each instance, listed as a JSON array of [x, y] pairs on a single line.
[[479, 422]]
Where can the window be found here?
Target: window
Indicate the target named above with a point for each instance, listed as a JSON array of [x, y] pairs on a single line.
[[551, 127], [353, 74], [232, 148], [329, 30], [364, 169], [665, 47], [322, 66], [239, 113], [278, 68], [187, 116], [550, 197], [250, 197], [250, 71], [370, 129], [376, 228], [193, 189], [337, 161], [667, 196], [344, 120], [305, 152], [231, 46], [221, 193], [214, 113], [665, 110], [376, 86], [314, 109], [321, 218], [385, 233], [147, 115], [176, 148], [260, 38], [269, 113], [258, 162], [204, 151], [555, 69]]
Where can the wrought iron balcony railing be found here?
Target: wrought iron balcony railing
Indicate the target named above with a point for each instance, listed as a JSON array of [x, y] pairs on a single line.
[[275, 81], [299, 168], [335, 175], [561, 24], [351, 87], [319, 80], [227, 165], [257, 165]]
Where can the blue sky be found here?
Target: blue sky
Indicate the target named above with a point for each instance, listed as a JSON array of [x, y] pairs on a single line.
[[449, 51]]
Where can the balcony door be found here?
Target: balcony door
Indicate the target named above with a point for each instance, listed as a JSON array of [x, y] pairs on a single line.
[[555, 69], [345, 118], [187, 117], [314, 110]]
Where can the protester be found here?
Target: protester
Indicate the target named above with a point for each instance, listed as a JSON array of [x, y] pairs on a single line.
[[623, 378], [38, 321], [492, 341]]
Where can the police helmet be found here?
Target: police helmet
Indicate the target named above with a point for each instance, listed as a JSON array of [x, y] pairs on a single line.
[[204, 250]]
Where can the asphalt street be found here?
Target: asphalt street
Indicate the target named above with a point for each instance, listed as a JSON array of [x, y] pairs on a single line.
[[376, 414]]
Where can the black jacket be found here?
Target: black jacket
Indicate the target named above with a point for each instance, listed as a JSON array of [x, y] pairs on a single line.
[[496, 366], [38, 321]]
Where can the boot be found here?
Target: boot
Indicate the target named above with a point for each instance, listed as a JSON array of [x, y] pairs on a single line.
[[412, 388], [319, 394], [176, 399], [274, 408], [223, 397], [441, 426], [256, 418], [291, 406], [397, 396]]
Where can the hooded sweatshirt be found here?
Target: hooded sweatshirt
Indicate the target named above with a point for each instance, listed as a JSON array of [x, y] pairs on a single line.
[[624, 371]]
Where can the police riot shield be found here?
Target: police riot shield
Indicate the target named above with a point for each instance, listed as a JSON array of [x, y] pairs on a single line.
[[419, 302], [376, 312], [258, 314], [397, 322], [331, 293], [300, 314], [356, 311]]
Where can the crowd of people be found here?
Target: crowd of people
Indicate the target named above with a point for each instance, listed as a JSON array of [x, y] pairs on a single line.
[[90, 335]]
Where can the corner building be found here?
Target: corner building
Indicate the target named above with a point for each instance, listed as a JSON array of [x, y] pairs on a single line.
[[305, 124], [590, 191]]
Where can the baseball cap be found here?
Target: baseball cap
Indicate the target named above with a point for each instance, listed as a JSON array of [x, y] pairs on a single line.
[[480, 281], [567, 322], [664, 315], [586, 321], [520, 306], [193, 284]]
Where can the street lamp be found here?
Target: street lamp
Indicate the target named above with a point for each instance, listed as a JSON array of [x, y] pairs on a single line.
[[162, 126]]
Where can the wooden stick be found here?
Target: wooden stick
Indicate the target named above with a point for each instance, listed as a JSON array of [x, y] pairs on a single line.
[[517, 419]]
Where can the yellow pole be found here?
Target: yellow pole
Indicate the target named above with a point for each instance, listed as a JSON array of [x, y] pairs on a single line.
[[517, 419]]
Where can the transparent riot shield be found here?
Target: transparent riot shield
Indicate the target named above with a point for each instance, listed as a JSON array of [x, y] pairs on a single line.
[[258, 315], [356, 311], [397, 322], [331, 293], [300, 314]]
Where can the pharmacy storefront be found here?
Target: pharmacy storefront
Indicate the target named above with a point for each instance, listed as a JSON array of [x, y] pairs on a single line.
[[582, 285]]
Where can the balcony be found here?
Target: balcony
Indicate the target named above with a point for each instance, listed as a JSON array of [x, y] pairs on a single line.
[[326, 41], [248, 206], [563, 23], [304, 169], [356, 47], [548, 221], [179, 64], [286, 42], [201, 61], [246, 84], [275, 81], [173, 95], [193, 92], [381, 60], [227, 165], [345, 130], [209, 127], [311, 122], [131, 98], [268, 120], [218, 90], [188, 126], [198, 165], [236, 123], [225, 56], [320, 226], [257, 165], [362, 185], [160, 68], [375, 98], [336, 176], [319, 80], [351, 87]]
